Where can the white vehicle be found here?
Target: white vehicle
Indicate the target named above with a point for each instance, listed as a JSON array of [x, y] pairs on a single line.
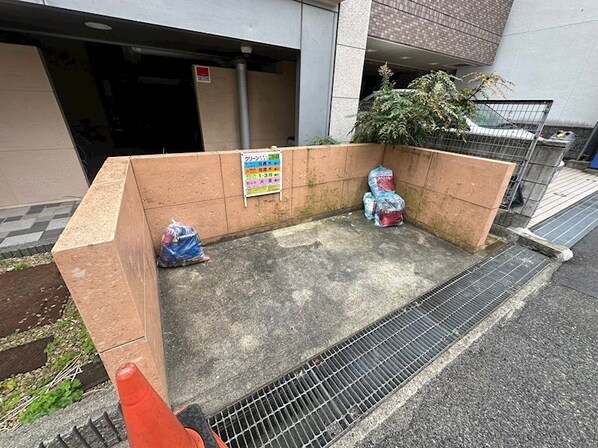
[[486, 122]]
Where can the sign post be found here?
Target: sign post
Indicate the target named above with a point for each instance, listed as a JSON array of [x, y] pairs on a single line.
[[262, 173]]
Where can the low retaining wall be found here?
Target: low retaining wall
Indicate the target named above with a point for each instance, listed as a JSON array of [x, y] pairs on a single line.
[[454, 196], [107, 252], [535, 176], [106, 258], [205, 189]]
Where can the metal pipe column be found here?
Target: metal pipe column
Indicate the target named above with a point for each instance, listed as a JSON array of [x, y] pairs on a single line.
[[243, 103]]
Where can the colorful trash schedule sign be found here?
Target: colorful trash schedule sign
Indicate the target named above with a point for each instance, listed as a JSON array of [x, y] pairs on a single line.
[[262, 173]]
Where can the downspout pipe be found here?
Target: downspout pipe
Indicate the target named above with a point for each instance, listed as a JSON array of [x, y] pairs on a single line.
[[241, 64]]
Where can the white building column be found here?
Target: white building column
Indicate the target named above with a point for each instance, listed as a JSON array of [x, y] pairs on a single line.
[[354, 18]]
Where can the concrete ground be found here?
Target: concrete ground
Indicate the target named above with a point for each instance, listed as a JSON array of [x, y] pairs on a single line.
[[532, 380], [269, 302]]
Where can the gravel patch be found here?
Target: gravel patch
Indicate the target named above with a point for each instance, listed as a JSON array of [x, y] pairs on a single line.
[[19, 263]]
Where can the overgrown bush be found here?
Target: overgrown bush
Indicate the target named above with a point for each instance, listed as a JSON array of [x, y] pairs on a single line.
[[431, 103], [318, 141]]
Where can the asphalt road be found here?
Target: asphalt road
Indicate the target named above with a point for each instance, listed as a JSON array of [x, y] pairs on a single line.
[[531, 381]]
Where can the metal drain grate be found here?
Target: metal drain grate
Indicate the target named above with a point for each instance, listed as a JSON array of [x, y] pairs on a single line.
[[572, 224], [317, 403]]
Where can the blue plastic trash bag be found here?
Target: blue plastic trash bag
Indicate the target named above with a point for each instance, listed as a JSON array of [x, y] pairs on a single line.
[[389, 210], [369, 205], [381, 181], [180, 246]]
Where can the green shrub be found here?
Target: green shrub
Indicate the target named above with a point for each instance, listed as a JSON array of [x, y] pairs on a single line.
[[51, 401], [431, 103], [318, 141]]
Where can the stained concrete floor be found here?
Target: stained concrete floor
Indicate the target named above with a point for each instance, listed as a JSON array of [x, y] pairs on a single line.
[[268, 302]]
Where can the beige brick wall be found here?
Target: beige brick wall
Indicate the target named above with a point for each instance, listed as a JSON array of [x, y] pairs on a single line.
[[464, 29], [106, 257]]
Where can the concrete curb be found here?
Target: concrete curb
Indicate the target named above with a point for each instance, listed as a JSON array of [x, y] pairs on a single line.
[[24, 250], [577, 164], [527, 238]]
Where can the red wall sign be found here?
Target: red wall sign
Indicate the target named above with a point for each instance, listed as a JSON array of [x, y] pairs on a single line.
[[202, 73]]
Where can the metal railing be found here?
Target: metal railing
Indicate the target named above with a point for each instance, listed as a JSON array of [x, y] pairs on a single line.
[[501, 130]]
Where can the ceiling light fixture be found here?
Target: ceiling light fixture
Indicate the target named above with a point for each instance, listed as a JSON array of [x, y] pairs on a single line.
[[405, 57], [434, 63], [98, 26]]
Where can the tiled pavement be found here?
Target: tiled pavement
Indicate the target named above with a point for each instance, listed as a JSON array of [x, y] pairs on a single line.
[[33, 229]]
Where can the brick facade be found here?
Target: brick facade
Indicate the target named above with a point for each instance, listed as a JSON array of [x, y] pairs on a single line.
[[464, 29]]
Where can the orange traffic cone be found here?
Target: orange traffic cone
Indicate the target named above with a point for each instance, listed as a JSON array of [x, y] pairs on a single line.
[[150, 422]]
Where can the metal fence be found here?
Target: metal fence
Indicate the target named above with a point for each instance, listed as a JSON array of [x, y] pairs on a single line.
[[501, 130]]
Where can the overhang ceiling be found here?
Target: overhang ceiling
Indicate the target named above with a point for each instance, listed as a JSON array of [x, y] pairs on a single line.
[[381, 51], [43, 20]]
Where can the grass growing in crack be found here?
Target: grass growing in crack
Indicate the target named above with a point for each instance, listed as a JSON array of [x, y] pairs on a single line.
[[28, 396]]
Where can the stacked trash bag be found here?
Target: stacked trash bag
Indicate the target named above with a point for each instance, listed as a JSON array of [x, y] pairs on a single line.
[[383, 205]]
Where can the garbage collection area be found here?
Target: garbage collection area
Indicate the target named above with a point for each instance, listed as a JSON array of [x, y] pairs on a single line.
[[266, 303], [295, 265]]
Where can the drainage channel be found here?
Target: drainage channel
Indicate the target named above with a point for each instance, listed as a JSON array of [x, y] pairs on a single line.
[[317, 403], [572, 224]]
